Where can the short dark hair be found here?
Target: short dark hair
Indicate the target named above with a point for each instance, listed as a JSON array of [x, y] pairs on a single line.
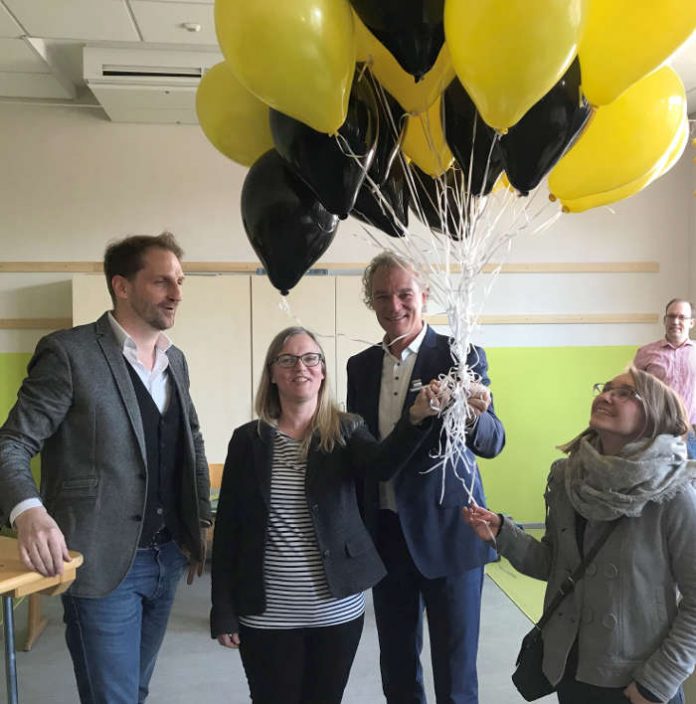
[[125, 257], [680, 300]]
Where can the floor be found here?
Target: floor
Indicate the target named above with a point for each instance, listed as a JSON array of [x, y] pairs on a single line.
[[193, 668]]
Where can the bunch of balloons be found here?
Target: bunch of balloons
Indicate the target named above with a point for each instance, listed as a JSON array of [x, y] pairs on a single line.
[[372, 107]]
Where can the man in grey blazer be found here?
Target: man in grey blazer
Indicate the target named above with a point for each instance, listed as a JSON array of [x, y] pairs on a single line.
[[124, 478]]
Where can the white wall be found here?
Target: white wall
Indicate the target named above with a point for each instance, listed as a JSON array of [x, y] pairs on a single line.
[[71, 180]]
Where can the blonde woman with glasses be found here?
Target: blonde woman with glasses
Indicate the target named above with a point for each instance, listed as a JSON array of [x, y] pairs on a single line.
[[291, 556], [627, 631]]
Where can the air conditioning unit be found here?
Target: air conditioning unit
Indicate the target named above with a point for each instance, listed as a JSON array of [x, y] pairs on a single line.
[[146, 85]]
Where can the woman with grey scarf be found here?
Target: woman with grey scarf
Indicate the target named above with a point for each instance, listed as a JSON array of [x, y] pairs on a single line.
[[628, 630]]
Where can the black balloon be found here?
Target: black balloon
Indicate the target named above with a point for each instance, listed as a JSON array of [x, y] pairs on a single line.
[[412, 30], [392, 124], [324, 162], [442, 201], [287, 226], [475, 145], [532, 147], [387, 210]]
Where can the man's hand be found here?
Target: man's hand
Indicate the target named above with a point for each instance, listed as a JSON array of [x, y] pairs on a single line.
[[195, 567], [41, 543], [479, 400]]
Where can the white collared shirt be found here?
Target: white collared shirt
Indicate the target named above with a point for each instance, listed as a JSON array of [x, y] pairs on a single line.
[[396, 380], [156, 381]]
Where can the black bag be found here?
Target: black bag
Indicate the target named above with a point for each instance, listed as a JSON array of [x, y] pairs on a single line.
[[528, 677]]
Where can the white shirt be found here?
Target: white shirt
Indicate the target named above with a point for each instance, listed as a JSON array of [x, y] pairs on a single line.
[[396, 381], [156, 381]]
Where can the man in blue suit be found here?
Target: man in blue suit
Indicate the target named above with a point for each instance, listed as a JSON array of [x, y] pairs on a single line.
[[434, 561]]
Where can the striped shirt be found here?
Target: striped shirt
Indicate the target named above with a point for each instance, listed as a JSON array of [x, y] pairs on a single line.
[[297, 593]]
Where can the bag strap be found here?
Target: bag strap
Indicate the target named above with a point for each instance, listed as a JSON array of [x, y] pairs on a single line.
[[571, 580]]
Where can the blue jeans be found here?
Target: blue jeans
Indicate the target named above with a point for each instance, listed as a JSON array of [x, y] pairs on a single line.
[[114, 639]]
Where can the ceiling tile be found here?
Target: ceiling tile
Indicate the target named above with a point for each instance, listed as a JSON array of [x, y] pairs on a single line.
[[31, 85], [93, 20], [163, 22], [8, 27], [17, 57]]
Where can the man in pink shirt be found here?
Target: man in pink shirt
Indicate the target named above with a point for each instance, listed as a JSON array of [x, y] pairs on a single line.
[[673, 359]]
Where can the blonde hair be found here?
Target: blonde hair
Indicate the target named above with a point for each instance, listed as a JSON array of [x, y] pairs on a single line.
[[663, 408], [328, 422]]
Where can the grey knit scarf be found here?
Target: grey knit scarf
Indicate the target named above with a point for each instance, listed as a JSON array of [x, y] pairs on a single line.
[[604, 487]]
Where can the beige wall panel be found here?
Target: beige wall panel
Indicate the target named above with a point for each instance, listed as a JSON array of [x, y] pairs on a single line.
[[311, 304], [213, 330], [356, 327]]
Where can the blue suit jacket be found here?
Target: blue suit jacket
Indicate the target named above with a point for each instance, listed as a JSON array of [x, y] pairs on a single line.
[[440, 543]]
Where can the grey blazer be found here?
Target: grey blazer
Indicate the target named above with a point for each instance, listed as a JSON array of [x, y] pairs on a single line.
[[625, 611], [78, 408]]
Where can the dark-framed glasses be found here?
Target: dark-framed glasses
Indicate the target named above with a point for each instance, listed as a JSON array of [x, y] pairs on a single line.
[[622, 392], [309, 359]]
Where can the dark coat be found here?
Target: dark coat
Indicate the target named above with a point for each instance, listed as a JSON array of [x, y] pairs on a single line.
[[351, 563], [439, 542]]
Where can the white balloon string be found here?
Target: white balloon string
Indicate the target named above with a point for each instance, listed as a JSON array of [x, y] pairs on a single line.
[[474, 229]]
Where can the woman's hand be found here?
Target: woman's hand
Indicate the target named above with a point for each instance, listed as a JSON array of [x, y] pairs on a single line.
[[485, 523], [431, 401], [632, 693], [229, 640]]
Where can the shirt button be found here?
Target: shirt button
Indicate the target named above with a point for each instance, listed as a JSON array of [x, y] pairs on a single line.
[[160, 511], [325, 554]]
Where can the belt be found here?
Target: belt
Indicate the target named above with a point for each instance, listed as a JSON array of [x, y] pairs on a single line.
[[162, 536]]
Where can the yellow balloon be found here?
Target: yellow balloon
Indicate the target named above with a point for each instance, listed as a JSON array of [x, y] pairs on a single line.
[[502, 184], [413, 97], [424, 142], [509, 53], [626, 145], [624, 40], [234, 121], [629, 189], [298, 56]]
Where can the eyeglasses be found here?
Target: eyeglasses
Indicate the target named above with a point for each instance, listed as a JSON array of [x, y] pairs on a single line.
[[309, 359], [673, 318], [620, 393]]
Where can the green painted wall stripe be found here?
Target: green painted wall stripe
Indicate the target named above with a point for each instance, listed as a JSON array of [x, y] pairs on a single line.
[[543, 396], [13, 368]]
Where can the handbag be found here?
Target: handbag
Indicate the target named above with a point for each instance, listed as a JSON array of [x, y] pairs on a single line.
[[529, 677]]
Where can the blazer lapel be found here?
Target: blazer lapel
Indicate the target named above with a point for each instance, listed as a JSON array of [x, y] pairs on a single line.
[[263, 460], [426, 360], [372, 383], [117, 364]]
